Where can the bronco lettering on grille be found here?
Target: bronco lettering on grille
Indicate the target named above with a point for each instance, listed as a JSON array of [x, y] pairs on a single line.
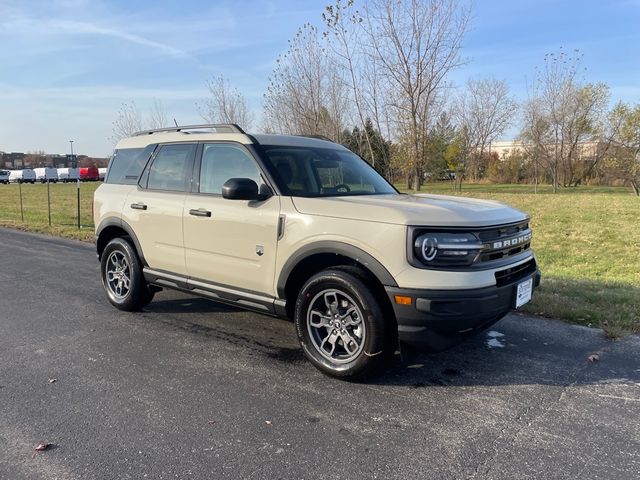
[[511, 242]]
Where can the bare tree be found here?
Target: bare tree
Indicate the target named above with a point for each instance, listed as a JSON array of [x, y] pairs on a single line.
[[562, 116], [306, 93], [484, 111], [417, 43], [368, 94], [377, 99], [626, 154], [130, 120], [157, 115], [226, 104], [37, 158], [343, 32]]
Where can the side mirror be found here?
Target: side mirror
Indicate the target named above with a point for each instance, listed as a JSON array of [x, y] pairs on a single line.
[[241, 189]]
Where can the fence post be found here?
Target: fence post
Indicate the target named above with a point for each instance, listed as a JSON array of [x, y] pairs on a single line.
[[78, 189], [49, 201], [21, 207]]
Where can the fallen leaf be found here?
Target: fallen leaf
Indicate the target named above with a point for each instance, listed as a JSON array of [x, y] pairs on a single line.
[[40, 448], [594, 357], [53, 380]]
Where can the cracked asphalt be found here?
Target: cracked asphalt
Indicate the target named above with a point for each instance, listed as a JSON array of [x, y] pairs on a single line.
[[191, 389]]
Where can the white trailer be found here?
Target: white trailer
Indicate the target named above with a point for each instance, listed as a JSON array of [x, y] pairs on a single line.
[[68, 174], [22, 176], [102, 172], [46, 174]]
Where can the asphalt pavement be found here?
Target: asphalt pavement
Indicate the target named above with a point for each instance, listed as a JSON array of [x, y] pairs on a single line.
[[191, 389]]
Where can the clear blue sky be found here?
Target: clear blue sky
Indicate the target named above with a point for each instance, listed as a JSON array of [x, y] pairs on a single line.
[[67, 65]]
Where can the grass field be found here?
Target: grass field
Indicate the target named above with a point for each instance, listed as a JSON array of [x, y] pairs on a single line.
[[587, 241], [64, 218]]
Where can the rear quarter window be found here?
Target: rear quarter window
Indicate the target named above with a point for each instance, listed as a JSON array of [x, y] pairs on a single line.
[[127, 165]]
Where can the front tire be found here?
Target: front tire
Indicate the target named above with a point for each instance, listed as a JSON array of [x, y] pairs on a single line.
[[122, 277], [341, 326]]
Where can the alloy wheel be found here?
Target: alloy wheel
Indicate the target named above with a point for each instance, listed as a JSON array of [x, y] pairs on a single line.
[[335, 325], [118, 275]]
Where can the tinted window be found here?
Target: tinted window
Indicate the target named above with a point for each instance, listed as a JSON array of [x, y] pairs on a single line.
[[323, 172], [127, 164], [220, 162], [171, 169]]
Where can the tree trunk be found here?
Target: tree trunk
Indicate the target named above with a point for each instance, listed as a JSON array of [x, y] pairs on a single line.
[[636, 187], [416, 179]]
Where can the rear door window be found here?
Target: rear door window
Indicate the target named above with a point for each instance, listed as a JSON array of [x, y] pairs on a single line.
[[171, 168]]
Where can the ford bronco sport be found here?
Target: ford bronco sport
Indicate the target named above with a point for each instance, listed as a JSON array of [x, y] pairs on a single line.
[[303, 228]]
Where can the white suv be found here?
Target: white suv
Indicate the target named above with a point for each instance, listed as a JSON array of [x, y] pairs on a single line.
[[303, 228]]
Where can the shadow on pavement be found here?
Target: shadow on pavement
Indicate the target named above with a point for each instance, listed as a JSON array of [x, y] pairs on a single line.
[[190, 305], [518, 350]]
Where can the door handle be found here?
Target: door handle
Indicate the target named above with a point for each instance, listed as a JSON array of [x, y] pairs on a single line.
[[138, 206], [199, 212]]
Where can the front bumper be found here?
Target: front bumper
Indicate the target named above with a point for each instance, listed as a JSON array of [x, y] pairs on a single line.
[[439, 319]]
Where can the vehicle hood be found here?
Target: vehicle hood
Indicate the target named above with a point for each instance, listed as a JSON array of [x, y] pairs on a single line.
[[420, 209]]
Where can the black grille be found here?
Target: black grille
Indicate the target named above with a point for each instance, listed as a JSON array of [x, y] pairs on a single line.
[[496, 233], [498, 254], [513, 274], [494, 238]]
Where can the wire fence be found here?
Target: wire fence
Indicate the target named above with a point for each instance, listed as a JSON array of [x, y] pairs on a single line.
[[62, 205]]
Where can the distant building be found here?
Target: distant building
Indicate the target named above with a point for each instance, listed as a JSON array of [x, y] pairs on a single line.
[[13, 160], [56, 160], [19, 160], [504, 148]]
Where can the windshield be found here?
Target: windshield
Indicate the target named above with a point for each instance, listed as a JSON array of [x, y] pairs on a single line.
[[322, 172]]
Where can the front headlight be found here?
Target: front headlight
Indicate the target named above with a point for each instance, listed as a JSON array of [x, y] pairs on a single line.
[[439, 250]]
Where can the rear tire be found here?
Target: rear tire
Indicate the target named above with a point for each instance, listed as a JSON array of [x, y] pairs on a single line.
[[122, 278], [341, 326]]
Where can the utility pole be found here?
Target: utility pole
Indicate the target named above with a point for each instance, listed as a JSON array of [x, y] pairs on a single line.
[[75, 165]]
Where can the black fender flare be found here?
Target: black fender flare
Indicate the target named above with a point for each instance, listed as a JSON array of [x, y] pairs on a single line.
[[338, 248], [118, 222]]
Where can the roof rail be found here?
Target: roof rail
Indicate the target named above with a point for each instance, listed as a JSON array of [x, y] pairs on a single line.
[[219, 127], [318, 137]]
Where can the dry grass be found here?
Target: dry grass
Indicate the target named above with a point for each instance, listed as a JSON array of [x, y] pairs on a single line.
[[64, 220]]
